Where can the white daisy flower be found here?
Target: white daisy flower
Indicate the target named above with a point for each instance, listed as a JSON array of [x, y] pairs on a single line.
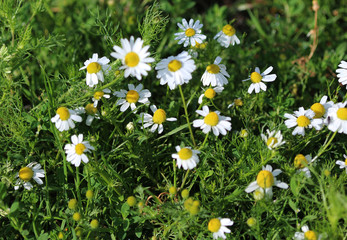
[[274, 139], [301, 163], [134, 57], [210, 93], [186, 157], [64, 119], [337, 118], [266, 179], [343, 164], [227, 36], [215, 74], [302, 119], [92, 113], [237, 102], [258, 79], [321, 109], [31, 171], [342, 72], [175, 70], [75, 151], [192, 33], [218, 226], [307, 234], [95, 67], [212, 120], [156, 121], [134, 95], [101, 94]]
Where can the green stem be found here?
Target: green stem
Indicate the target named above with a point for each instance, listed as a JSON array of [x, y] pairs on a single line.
[[77, 184], [174, 167], [203, 144], [325, 146], [185, 178]]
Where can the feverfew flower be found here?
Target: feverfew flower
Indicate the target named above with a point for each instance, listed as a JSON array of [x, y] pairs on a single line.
[[266, 179], [134, 95], [210, 93], [321, 109], [186, 157], [227, 36], [192, 33], [92, 113], [343, 164], [175, 70], [302, 119], [301, 162], [274, 139], [31, 171], [342, 72], [337, 118], [134, 57], [258, 79], [237, 102], [215, 74], [64, 119], [307, 234], [212, 120], [75, 151], [95, 67], [101, 94], [218, 226], [156, 121]]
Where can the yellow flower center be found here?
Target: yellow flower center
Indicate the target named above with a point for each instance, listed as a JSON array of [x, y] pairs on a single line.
[[238, 102], [98, 95], [80, 148], [93, 67], [272, 141], [251, 221], [256, 77], [174, 65], [132, 59], [213, 68], [310, 235], [346, 161], [318, 109], [90, 109], [159, 116], [190, 32], [211, 119], [210, 93], [26, 173], [228, 30], [185, 153], [303, 121], [214, 225], [342, 113], [63, 113], [200, 45], [132, 96], [300, 161], [265, 179]]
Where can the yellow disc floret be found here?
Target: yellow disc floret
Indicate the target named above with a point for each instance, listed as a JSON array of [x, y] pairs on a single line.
[[213, 68], [93, 67], [98, 95], [94, 224], [251, 221], [132, 96], [228, 30], [300, 161], [79, 148], [76, 216], [256, 77], [185, 193], [159, 116], [26, 173], [318, 109], [173, 190], [90, 109], [174, 65], [271, 141], [89, 194], [72, 204], [185, 153], [265, 179], [131, 201], [210, 93], [63, 113], [310, 235], [303, 121], [211, 119], [342, 113], [214, 225], [132, 59], [238, 102], [346, 161], [190, 32]]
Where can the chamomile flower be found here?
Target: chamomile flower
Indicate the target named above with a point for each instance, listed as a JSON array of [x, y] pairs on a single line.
[[131, 97], [227, 36], [343, 164], [218, 226], [186, 157], [175, 70], [321, 109], [306, 234], [156, 121], [134, 57], [31, 171], [302, 119], [266, 179], [258, 78], [76, 151], [92, 113], [95, 69], [101, 94], [215, 74], [192, 33], [274, 139], [64, 119], [212, 120], [210, 93], [301, 163], [237, 102], [342, 72], [337, 118]]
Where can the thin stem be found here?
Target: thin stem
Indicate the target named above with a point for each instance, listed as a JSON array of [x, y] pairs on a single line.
[[185, 178], [203, 144], [175, 177], [325, 146]]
